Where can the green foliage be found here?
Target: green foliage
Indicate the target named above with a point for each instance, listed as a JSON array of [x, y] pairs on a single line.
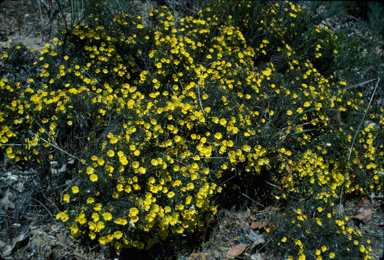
[[316, 231], [160, 113], [375, 17], [357, 8]]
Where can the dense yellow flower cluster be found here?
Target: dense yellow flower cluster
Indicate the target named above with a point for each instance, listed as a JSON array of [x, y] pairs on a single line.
[[171, 111]]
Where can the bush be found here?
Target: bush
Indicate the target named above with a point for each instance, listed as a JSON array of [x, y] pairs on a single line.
[[161, 113]]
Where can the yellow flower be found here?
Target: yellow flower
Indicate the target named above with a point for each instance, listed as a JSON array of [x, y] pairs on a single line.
[[218, 136], [120, 221], [107, 216], [331, 255], [95, 217], [94, 177], [117, 234], [289, 112], [133, 212], [171, 194], [92, 235], [100, 225], [123, 160], [97, 207], [135, 164], [284, 239], [90, 200], [75, 189], [66, 197], [134, 219], [102, 241], [101, 161], [90, 170], [111, 153], [69, 122], [74, 230], [63, 216]]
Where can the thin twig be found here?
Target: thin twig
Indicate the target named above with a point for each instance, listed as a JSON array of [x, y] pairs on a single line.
[[229, 178], [273, 185], [45, 130], [357, 131], [54, 146], [372, 235], [198, 91], [353, 86], [44, 207], [18, 144], [53, 204], [249, 197], [359, 84], [181, 85], [41, 17], [135, 62]]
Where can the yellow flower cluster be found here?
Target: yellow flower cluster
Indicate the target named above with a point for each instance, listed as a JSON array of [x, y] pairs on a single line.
[[171, 111]]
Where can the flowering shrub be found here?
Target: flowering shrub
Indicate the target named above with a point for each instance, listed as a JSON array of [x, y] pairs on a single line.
[[160, 113], [318, 233]]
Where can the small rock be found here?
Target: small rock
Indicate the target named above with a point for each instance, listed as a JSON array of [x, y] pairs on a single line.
[[257, 257], [7, 250], [55, 228]]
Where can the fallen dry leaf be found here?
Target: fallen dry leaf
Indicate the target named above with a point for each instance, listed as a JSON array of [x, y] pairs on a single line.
[[259, 225], [254, 225], [236, 251], [203, 256], [365, 215], [366, 201]]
